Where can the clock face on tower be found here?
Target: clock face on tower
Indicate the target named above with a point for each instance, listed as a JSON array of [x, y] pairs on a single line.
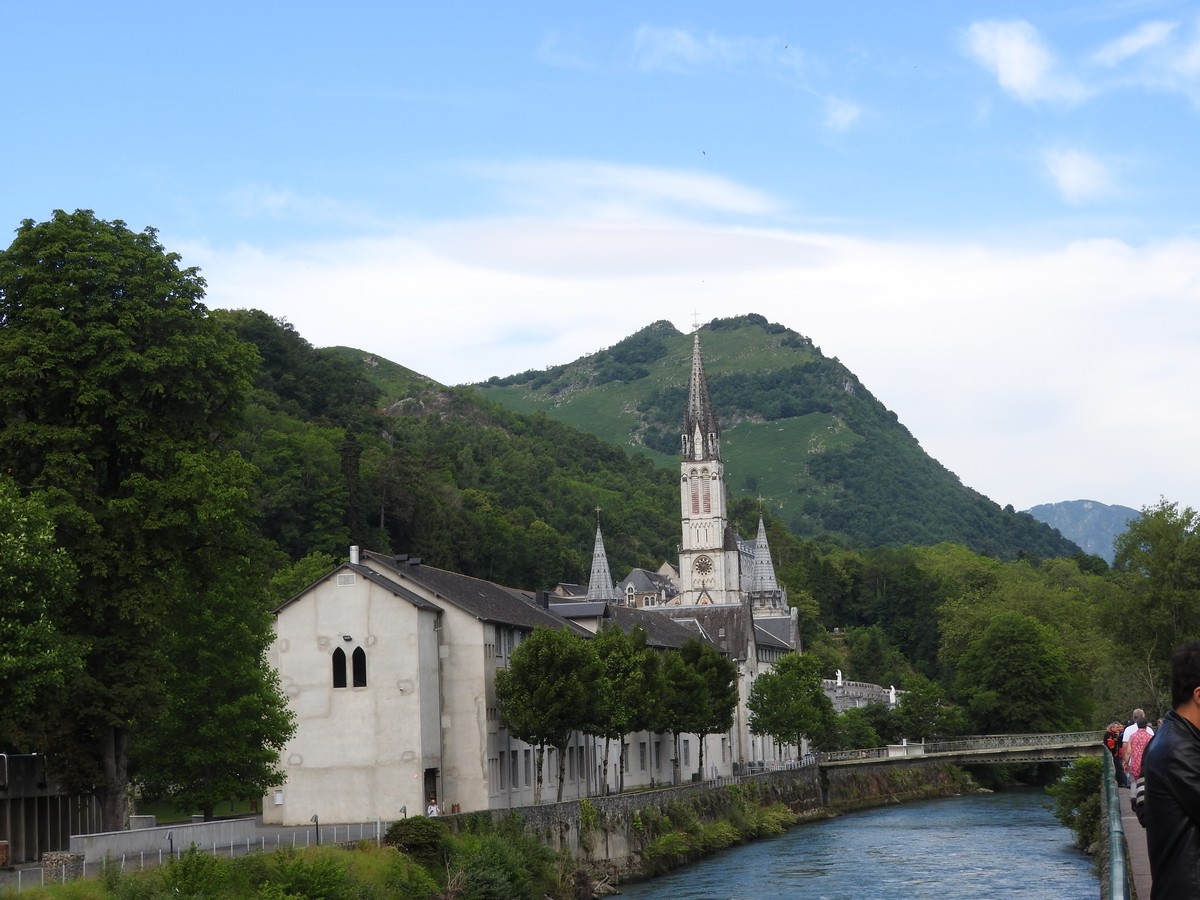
[[703, 566]]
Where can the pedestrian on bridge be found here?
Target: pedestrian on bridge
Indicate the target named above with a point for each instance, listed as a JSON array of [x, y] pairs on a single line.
[[1132, 751], [1172, 771]]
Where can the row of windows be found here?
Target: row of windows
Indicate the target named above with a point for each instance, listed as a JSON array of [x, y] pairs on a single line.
[[358, 666]]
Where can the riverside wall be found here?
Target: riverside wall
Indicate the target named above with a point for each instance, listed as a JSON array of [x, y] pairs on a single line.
[[606, 833]]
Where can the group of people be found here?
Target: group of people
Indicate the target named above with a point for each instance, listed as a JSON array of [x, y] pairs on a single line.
[[1167, 763]]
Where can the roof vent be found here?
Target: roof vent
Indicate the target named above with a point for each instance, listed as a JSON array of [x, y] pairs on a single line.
[[353, 555]]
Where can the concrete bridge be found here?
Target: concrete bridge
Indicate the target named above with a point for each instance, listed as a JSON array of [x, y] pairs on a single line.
[[977, 750]]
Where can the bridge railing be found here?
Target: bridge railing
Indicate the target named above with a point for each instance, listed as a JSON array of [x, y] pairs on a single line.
[[966, 744], [1015, 741]]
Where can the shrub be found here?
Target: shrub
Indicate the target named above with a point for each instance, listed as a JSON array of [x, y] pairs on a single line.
[[420, 837], [1077, 798], [195, 873]]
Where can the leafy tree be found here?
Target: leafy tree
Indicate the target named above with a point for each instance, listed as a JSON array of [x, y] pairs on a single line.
[[719, 674], [225, 719], [630, 690], [1159, 558], [789, 702], [292, 579], [548, 692], [37, 581], [117, 385], [923, 711], [1014, 678], [684, 702]]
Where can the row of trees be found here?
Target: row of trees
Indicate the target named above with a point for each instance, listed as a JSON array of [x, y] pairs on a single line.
[[558, 683]]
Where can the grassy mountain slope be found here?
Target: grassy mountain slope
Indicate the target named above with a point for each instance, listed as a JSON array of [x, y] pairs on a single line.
[[798, 429]]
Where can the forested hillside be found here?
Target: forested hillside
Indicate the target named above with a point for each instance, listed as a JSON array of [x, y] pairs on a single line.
[[798, 429]]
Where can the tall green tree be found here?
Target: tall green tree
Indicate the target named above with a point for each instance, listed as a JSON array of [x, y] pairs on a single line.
[[548, 692], [1159, 558], [225, 719], [1015, 678], [684, 702], [789, 703], [117, 383], [719, 674], [630, 690], [37, 582]]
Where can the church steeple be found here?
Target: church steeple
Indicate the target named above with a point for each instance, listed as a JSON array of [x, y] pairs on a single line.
[[762, 571], [600, 583], [701, 433]]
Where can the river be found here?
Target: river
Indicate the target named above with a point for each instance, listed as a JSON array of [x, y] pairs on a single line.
[[980, 846]]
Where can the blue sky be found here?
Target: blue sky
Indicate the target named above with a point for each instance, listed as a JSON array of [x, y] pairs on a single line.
[[989, 212]]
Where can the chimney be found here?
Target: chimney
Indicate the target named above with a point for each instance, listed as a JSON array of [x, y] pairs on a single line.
[[543, 599], [353, 555]]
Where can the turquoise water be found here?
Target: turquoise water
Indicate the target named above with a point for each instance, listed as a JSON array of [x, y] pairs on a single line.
[[976, 847]]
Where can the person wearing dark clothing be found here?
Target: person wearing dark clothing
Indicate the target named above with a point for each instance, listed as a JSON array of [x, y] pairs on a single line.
[[1171, 768]]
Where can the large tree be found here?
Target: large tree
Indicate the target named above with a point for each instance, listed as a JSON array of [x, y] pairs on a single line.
[[548, 692], [789, 703], [719, 674], [1159, 558], [631, 688], [117, 385], [37, 579]]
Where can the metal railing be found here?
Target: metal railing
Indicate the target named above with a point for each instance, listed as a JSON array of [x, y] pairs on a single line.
[[1118, 857], [975, 743]]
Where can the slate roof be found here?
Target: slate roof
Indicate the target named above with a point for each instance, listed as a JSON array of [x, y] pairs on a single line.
[[661, 631], [709, 620], [774, 632], [644, 582], [486, 601]]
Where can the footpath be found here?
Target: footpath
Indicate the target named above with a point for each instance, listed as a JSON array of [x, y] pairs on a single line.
[[1135, 842]]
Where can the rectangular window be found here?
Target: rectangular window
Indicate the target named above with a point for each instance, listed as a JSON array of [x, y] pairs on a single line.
[[503, 769], [625, 756], [642, 755], [570, 765], [582, 763], [493, 775], [516, 774], [687, 752], [528, 768], [724, 749], [658, 755]]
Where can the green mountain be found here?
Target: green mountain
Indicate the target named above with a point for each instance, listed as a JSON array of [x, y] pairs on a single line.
[[799, 431]]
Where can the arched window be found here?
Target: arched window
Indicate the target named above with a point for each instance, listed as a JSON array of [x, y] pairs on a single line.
[[695, 486], [707, 492], [339, 668], [360, 667]]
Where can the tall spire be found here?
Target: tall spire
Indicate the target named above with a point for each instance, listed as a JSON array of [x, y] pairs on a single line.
[[701, 433], [600, 584]]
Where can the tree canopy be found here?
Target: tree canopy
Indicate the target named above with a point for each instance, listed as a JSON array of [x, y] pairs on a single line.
[[119, 395]]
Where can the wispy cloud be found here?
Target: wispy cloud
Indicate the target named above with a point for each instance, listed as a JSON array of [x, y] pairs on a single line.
[[1145, 36], [1025, 68], [612, 190], [553, 51], [841, 115], [1079, 177], [678, 50]]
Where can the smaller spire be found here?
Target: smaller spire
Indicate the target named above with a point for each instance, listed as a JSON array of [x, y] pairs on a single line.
[[762, 572], [600, 584]]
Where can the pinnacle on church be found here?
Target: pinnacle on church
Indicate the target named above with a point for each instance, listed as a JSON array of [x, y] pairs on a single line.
[[600, 584], [701, 433], [762, 572]]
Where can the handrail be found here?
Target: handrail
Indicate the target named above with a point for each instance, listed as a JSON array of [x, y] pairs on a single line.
[[976, 742], [1118, 859]]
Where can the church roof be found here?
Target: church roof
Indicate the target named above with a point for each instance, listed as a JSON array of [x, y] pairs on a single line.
[[775, 631], [644, 581], [375, 578], [661, 631], [726, 627]]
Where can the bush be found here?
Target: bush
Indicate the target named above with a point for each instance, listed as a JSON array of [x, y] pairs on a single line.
[[422, 838], [1077, 798]]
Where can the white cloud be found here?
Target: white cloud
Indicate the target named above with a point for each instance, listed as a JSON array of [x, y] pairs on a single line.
[[840, 115], [553, 52], [1035, 375], [1145, 36], [1015, 53], [1078, 176]]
